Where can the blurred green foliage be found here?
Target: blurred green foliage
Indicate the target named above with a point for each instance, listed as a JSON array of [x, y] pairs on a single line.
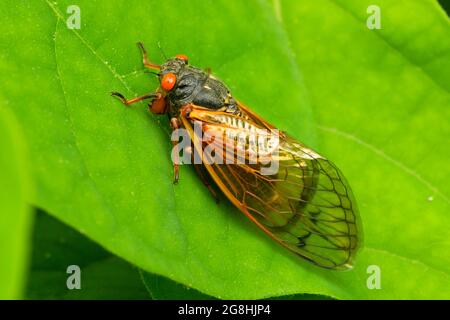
[[376, 102], [15, 217], [103, 276]]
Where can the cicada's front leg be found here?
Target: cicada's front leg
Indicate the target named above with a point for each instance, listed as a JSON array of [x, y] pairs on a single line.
[[158, 104], [127, 102], [175, 124]]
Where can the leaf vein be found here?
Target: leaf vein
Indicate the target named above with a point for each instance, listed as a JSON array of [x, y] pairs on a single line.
[[390, 159]]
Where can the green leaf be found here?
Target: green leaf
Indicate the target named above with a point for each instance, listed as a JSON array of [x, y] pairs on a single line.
[[445, 4], [162, 288], [385, 125], [15, 217], [378, 97], [103, 276]]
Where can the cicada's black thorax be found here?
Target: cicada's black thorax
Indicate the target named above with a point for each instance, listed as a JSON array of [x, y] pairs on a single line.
[[196, 86]]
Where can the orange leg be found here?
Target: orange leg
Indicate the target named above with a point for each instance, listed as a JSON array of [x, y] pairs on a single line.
[[127, 102], [175, 124], [145, 60]]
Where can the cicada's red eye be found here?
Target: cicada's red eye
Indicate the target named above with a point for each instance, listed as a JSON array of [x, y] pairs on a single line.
[[168, 81], [182, 57]]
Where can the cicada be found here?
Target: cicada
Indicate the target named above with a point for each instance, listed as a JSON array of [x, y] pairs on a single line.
[[306, 205]]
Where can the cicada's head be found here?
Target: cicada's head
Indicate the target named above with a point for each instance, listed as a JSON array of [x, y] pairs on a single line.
[[171, 71], [180, 82]]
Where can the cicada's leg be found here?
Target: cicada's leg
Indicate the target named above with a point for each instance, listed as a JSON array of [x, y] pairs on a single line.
[[175, 124], [127, 102], [158, 105], [145, 60]]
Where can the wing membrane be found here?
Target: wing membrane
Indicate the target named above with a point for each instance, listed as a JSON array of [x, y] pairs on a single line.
[[307, 205]]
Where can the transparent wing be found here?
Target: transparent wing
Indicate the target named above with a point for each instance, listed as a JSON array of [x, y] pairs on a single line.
[[307, 205]]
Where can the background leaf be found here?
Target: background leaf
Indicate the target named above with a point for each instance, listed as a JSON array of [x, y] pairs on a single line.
[[445, 4], [162, 288], [378, 101], [103, 276], [15, 218], [396, 160]]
